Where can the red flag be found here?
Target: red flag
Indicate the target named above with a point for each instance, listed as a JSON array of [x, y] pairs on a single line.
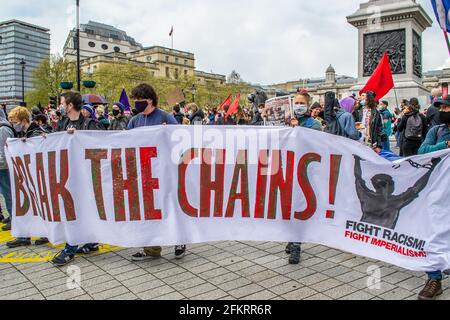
[[171, 32], [227, 102], [381, 81], [234, 108]]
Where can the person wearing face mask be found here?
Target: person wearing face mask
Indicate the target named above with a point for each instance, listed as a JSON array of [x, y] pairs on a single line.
[[74, 121], [371, 123], [387, 123], [20, 120], [119, 121], [338, 121], [437, 139], [195, 114], [302, 118], [146, 103]]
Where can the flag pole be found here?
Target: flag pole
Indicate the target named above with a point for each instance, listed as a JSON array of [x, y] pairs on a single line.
[[447, 41], [396, 97]]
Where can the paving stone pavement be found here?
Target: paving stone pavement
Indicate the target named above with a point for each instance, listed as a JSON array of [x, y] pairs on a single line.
[[206, 274], [213, 271]]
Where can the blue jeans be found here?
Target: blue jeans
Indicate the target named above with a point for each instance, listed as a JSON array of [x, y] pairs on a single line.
[[387, 145], [72, 250], [435, 275], [5, 189]]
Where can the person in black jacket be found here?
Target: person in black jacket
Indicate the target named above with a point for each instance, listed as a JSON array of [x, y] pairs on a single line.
[[25, 129], [177, 114], [196, 115], [413, 129], [72, 103], [433, 112]]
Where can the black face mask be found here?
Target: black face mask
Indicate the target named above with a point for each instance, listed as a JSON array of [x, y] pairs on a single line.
[[115, 113], [141, 105], [444, 117]]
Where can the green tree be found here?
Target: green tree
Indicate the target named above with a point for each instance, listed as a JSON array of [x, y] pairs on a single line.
[[47, 78]]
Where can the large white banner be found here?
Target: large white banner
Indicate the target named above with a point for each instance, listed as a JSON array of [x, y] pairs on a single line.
[[173, 185]]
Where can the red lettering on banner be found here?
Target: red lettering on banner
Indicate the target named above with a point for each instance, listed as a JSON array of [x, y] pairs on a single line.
[[96, 156], [278, 182], [261, 184], [305, 185], [207, 186], [58, 189], [130, 185], [19, 179], [186, 159], [31, 186], [42, 187], [149, 184], [240, 173]]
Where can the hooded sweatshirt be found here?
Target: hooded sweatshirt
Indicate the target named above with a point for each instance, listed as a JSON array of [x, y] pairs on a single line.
[[5, 133]]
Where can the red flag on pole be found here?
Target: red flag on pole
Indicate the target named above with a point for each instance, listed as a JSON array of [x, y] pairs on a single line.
[[381, 81], [234, 108], [226, 102]]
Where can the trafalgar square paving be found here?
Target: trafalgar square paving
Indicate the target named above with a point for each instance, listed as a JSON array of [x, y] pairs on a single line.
[[209, 271]]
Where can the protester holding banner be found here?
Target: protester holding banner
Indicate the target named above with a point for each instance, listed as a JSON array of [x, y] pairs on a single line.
[[20, 119], [72, 103], [146, 102], [302, 117], [6, 131], [438, 138]]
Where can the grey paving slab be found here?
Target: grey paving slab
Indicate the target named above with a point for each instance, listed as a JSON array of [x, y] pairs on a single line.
[[221, 270]]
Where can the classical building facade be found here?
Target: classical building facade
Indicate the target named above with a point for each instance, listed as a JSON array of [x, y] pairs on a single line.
[[317, 87], [20, 41], [97, 39], [103, 44]]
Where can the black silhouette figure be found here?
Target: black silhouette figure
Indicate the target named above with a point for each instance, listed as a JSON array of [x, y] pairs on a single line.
[[381, 207]]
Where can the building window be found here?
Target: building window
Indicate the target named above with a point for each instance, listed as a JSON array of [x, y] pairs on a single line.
[[176, 60], [116, 49], [114, 36], [104, 47], [167, 58], [91, 44], [167, 72], [185, 72], [89, 31], [185, 62], [176, 74]]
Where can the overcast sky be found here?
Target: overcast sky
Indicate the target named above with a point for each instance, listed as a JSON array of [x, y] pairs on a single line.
[[266, 41]]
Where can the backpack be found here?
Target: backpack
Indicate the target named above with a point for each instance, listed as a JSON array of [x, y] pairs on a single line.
[[15, 134], [414, 128]]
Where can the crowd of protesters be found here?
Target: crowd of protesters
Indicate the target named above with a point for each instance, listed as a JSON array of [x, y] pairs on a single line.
[[360, 118]]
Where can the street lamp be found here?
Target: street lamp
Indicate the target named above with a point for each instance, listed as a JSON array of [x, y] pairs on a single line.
[[193, 91], [23, 63]]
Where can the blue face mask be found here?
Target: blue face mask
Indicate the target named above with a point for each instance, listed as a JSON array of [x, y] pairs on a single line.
[[300, 110], [363, 103]]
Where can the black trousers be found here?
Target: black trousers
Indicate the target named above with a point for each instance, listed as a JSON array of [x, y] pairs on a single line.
[[410, 148]]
